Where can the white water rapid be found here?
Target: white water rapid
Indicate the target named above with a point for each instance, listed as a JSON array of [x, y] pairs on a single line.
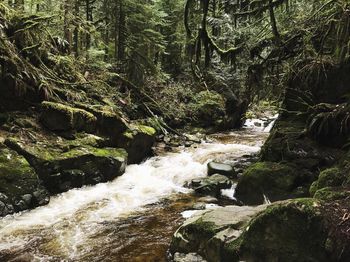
[[74, 225]]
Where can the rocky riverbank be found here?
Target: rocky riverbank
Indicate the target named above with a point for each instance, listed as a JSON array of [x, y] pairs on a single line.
[[304, 162], [55, 147]]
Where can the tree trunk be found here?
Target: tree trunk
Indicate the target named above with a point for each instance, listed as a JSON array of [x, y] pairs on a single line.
[[121, 32], [273, 21], [66, 29], [76, 29]]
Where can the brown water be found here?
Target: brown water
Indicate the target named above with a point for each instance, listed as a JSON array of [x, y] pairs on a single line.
[[129, 219]]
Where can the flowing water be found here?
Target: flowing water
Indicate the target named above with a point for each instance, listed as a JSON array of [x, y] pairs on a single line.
[[129, 219]]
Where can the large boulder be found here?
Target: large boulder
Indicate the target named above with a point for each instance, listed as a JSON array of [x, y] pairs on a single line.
[[74, 167], [274, 181], [138, 141], [206, 232], [20, 187], [292, 231], [59, 117], [331, 177], [109, 123], [289, 142], [208, 108]]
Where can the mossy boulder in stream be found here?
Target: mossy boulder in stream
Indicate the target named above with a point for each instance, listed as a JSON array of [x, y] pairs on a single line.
[[291, 231], [74, 167], [138, 142], [276, 181], [207, 231], [196, 233], [20, 187], [288, 231]]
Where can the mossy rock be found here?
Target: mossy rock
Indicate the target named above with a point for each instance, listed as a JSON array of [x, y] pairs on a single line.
[[331, 194], [138, 141], [206, 232], [292, 231], [83, 165], [331, 177], [208, 108], [20, 186], [59, 117], [274, 180], [109, 123], [289, 142]]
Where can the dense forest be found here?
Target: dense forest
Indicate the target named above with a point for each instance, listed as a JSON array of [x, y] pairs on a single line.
[[183, 130]]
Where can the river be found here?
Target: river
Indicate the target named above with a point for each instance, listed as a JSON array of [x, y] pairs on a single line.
[[129, 219]]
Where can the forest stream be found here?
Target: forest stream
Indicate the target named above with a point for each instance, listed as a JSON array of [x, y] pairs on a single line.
[[129, 219]]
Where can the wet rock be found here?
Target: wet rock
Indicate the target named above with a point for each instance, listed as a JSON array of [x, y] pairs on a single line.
[[288, 231], [138, 142], [288, 142], [3, 209], [83, 165], [191, 257], [3, 197], [40, 197], [27, 198], [276, 181], [211, 185], [208, 230], [222, 169], [18, 181], [208, 200], [292, 231], [20, 205]]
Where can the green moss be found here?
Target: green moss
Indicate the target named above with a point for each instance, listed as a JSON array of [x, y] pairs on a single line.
[[313, 188], [207, 107], [330, 177], [58, 107], [17, 177], [289, 231], [275, 180], [204, 227], [56, 152], [139, 129], [61, 117], [84, 139], [128, 134], [145, 129], [109, 152], [85, 150], [330, 194]]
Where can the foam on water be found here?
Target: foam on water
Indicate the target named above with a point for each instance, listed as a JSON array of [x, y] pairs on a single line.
[[72, 219]]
